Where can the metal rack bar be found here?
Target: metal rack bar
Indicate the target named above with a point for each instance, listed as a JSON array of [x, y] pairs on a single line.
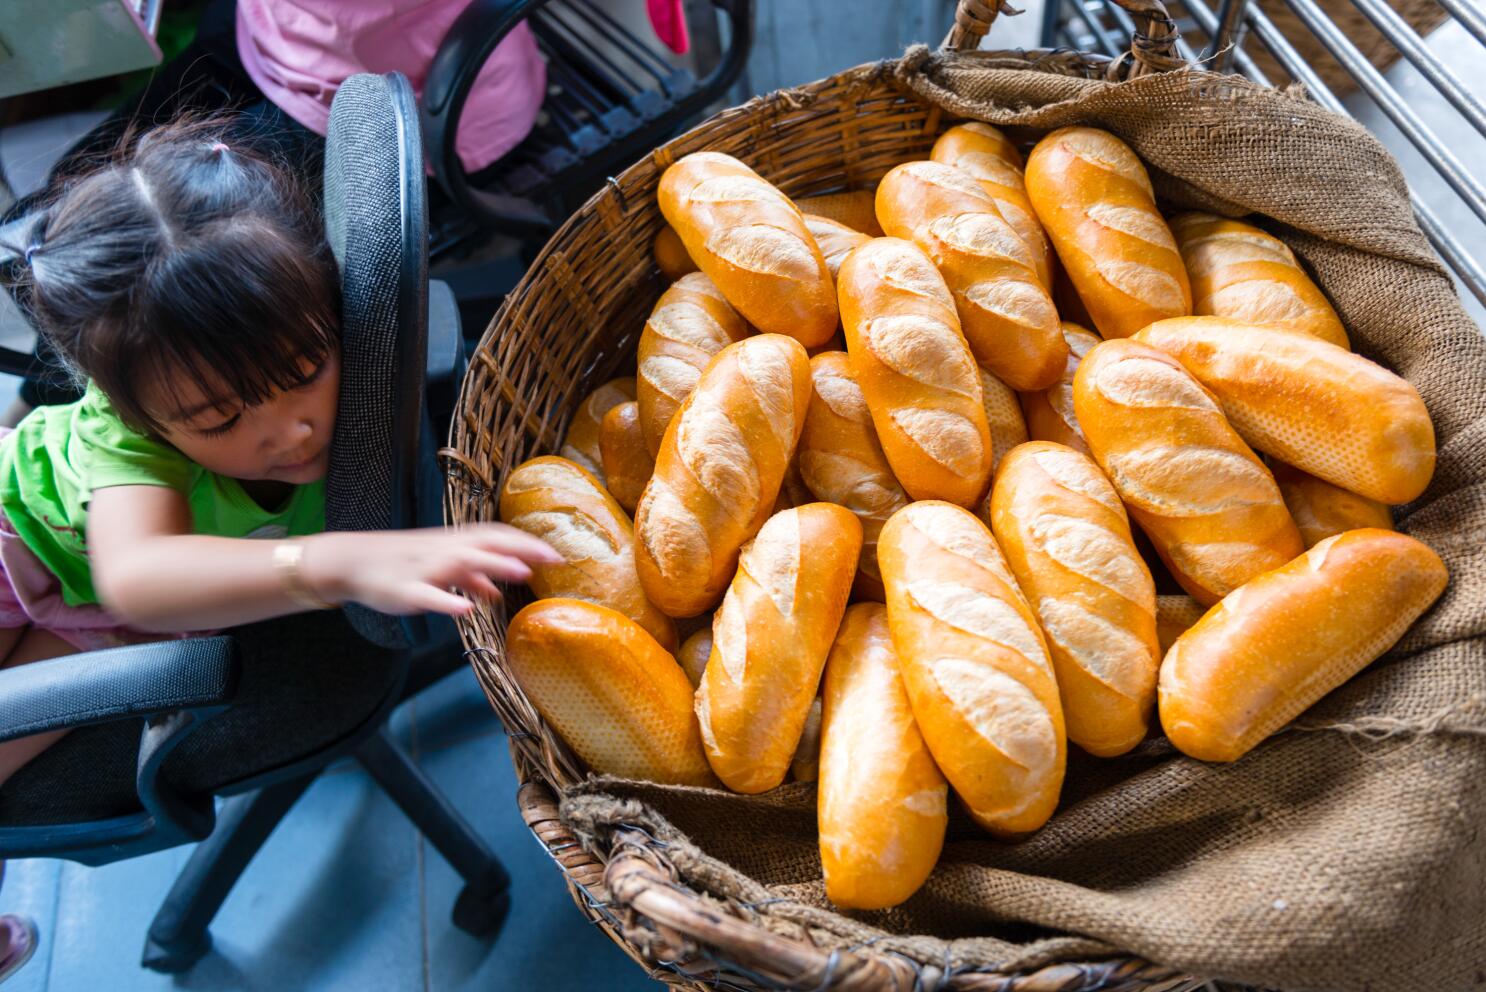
[[1106, 45], [1226, 33], [1407, 41], [1471, 17], [1211, 26]]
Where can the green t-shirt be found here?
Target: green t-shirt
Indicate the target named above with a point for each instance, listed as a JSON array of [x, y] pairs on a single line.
[[59, 455]]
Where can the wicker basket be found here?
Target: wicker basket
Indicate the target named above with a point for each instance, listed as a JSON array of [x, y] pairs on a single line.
[[572, 323]]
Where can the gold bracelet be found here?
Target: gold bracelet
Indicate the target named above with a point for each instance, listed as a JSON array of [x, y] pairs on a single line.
[[288, 563]]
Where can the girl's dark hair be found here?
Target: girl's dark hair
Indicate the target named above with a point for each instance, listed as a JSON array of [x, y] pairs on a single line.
[[187, 254]]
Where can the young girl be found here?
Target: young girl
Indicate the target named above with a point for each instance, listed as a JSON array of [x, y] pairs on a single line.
[[190, 284]]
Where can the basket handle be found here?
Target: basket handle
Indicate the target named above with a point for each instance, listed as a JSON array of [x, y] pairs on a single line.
[[1153, 49]]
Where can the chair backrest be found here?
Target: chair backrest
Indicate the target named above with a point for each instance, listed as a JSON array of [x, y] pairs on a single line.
[[377, 223]]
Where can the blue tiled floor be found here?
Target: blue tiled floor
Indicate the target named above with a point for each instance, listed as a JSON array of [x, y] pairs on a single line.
[[344, 895]]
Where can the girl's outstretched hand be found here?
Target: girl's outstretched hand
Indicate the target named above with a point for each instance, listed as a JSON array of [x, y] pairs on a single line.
[[413, 571]]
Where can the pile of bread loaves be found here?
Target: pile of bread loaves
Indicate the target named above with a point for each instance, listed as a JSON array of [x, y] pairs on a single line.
[[894, 566]]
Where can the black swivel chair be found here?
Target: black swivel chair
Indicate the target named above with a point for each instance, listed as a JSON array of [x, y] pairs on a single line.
[[256, 714]]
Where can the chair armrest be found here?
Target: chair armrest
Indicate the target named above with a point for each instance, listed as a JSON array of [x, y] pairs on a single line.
[[112, 684]]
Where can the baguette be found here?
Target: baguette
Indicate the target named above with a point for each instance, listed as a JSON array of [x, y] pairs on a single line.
[[856, 209], [628, 463], [989, 157], [693, 653], [805, 765], [1322, 510], [751, 241], [1096, 203], [562, 503], [916, 371], [882, 803], [581, 444], [1066, 538], [670, 254], [975, 665], [1210, 507], [690, 324], [1175, 615], [1049, 413], [719, 470], [609, 690], [1003, 417], [1005, 310], [1310, 404], [769, 642], [1239, 271], [835, 239], [841, 461], [1275, 646]]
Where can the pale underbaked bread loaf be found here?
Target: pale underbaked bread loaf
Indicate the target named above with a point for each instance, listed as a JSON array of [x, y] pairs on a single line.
[[1175, 615], [751, 241], [841, 462], [670, 254], [562, 503], [719, 471], [693, 653], [989, 157], [1310, 404], [1322, 510], [856, 209], [690, 324], [916, 371], [627, 462], [610, 691], [1067, 540], [581, 443], [770, 638], [1276, 645], [882, 803], [1003, 416], [835, 239], [975, 664], [1241, 272], [1005, 311], [805, 765], [1210, 507], [1049, 413], [1096, 203]]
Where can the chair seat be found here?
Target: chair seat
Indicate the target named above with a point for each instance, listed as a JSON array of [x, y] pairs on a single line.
[[307, 682]]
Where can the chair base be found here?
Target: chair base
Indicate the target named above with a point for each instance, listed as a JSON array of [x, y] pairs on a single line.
[[174, 958], [480, 913]]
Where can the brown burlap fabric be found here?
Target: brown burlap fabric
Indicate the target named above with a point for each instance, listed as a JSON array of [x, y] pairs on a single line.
[[1350, 854]]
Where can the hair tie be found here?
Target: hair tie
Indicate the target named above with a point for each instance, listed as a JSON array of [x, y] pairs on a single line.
[[220, 147]]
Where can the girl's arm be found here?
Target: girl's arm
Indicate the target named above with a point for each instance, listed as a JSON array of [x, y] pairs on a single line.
[[153, 574]]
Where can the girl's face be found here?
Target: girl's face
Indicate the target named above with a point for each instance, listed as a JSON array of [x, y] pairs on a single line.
[[286, 438]]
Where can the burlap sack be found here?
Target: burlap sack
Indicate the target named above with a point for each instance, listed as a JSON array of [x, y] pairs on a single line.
[[1347, 855]]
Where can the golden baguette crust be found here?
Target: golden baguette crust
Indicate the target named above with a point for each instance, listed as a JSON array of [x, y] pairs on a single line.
[[693, 653], [856, 209], [975, 664], [841, 462], [719, 470], [1066, 538], [989, 157], [1310, 404], [1003, 416], [1322, 510], [581, 444], [915, 368], [1211, 508], [1175, 615], [882, 804], [770, 638], [628, 463], [1275, 646], [805, 765], [1049, 413], [751, 241], [609, 690], [835, 239], [1005, 310], [562, 503], [690, 324], [670, 254], [1096, 203], [1239, 271]]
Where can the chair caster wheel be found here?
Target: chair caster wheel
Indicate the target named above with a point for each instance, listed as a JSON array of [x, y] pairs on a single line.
[[480, 912], [177, 956]]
